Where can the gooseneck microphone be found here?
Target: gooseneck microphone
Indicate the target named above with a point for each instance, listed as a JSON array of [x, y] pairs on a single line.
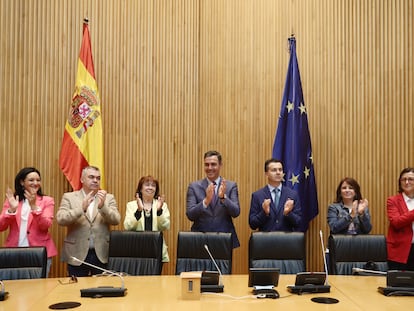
[[215, 264], [325, 265], [362, 271], [102, 291]]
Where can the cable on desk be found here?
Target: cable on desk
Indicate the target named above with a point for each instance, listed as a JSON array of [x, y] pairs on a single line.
[[230, 296]]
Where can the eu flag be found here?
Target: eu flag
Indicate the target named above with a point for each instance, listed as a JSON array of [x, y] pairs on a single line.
[[292, 143]]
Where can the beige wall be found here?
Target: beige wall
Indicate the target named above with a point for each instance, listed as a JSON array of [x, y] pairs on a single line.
[[177, 78]]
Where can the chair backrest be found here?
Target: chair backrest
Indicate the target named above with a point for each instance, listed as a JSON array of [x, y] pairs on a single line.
[[23, 263], [367, 251], [192, 255], [135, 252], [278, 249]]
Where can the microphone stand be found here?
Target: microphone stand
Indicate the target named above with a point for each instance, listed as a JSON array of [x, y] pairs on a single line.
[[362, 271], [325, 265], [217, 287], [3, 293], [102, 291], [215, 264]]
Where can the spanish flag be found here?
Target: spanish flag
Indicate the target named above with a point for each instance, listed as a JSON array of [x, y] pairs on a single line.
[[82, 143]]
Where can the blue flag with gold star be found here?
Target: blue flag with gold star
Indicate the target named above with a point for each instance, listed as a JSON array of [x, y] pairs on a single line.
[[292, 143]]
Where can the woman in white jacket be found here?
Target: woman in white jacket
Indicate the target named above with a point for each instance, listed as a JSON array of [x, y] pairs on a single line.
[[148, 212]]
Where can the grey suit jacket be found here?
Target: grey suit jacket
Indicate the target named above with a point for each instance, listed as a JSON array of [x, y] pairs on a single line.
[[81, 227]]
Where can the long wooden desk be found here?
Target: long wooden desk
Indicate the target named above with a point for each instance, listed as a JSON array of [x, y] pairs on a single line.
[[164, 293]]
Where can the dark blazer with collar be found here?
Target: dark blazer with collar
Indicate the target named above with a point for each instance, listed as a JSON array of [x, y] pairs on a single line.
[[217, 216], [400, 229], [275, 221], [80, 227]]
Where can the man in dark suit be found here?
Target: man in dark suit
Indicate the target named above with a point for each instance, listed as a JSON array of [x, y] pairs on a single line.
[[213, 202], [87, 214], [275, 207]]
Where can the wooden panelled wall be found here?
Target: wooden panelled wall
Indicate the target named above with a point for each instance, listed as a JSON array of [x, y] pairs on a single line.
[[178, 78]]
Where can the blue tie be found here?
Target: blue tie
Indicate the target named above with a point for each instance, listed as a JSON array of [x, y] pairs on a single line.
[[277, 196]]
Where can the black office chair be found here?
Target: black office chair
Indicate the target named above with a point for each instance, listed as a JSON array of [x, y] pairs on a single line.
[[192, 255], [136, 252], [283, 250], [366, 251], [23, 263]]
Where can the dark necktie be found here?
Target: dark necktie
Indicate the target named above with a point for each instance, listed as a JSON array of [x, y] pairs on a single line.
[[277, 196], [214, 200]]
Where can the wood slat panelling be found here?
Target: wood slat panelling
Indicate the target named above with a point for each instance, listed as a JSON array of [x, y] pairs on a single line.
[[177, 78]]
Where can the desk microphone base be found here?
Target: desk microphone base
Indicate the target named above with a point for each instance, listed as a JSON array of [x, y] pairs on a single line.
[[212, 288], [3, 295], [104, 291], [302, 289]]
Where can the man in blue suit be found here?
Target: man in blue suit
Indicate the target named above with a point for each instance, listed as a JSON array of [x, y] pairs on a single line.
[[213, 202], [275, 207]]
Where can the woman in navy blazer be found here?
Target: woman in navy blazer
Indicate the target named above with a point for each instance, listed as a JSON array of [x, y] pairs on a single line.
[[266, 214], [400, 212]]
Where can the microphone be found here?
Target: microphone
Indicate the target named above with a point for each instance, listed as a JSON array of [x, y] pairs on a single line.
[[215, 264], [3, 294], [312, 282], [102, 291], [324, 257], [362, 271]]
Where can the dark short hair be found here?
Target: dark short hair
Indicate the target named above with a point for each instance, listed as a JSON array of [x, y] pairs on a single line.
[[212, 153], [272, 160], [406, 170], [354, 184], [145, 179], [21, 175]]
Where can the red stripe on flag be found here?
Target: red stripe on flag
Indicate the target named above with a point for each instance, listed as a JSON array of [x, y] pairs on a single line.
[[85, 55], [71, 161]]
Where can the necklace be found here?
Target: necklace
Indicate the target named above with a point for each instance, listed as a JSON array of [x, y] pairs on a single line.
[[147, 209]]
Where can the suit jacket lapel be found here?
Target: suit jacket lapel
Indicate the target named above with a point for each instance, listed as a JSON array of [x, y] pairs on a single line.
[[19, 214], [81, 196]]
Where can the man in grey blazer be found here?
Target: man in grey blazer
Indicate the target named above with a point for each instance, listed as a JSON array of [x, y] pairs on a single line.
[[213, 202], [87, 214]]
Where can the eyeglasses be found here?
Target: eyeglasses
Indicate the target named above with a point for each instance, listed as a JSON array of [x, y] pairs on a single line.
[[73, 279], [407, 179]]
